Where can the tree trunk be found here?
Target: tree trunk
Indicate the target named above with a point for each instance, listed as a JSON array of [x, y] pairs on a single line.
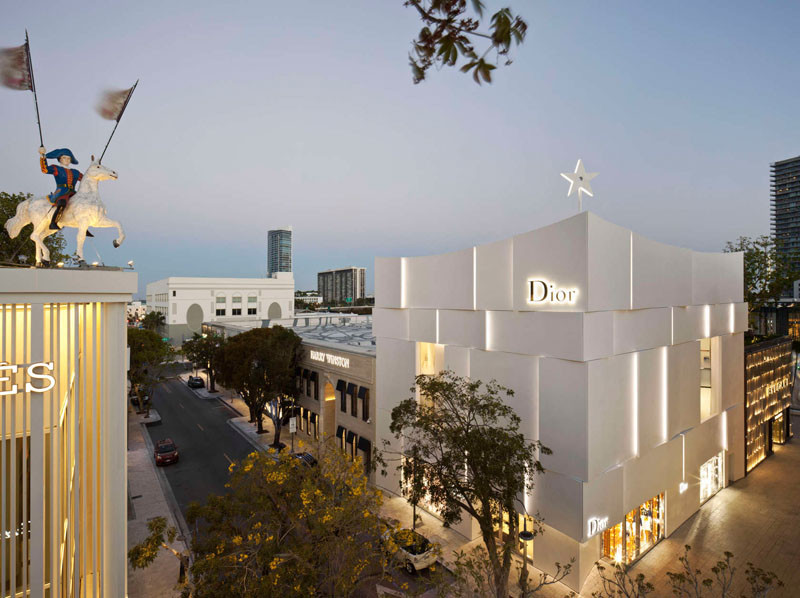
[[211, 387], [499, 573], [260, 423], [278, 427]]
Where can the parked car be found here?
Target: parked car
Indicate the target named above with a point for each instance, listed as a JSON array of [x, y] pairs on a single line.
[[166, 452], [306, 458], [195, 382], [414, 551]]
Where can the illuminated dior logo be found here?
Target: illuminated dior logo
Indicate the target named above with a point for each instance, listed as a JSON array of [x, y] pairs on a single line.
[[542, 291], [597, 525], [32, 372]]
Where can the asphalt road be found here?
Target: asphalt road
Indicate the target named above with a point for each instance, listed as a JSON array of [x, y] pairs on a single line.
[[206, 443]]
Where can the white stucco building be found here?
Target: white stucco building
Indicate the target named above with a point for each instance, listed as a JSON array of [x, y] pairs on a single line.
[[626, 358], [63, 472], [136, 310], [188, 302]]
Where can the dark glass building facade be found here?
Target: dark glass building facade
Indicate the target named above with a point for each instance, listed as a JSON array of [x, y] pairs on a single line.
[[785, 217]]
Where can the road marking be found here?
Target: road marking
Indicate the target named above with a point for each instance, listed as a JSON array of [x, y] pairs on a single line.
[[228, 458], [167, 388], [201, 428], [181, 405]]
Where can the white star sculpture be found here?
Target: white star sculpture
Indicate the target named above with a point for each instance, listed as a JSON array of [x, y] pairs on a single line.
[[579, 181]]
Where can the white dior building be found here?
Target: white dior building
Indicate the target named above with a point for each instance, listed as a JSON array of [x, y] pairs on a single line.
[[626, 358], [63, 473], [188, 302]]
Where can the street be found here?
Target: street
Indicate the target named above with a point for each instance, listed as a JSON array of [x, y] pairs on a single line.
[[206, 443]]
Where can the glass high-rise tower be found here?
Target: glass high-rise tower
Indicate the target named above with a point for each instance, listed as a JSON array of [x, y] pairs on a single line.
[[279, 250], [785, 183]]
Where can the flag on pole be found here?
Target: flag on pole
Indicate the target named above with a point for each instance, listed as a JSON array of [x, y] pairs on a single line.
[[15, 68], [112, 103]]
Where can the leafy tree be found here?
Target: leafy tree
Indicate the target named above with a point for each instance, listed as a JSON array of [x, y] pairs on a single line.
[[22, 245], [290, 530], [260, 365], [768, 272], [149, 356], [160, 538], [469, 456], [203, 349], [449, 29], [153, 320]]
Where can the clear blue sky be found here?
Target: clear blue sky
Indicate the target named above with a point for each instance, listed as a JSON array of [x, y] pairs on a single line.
[[251, 115]]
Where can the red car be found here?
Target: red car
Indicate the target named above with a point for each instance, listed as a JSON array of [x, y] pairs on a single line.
[[166, 452]]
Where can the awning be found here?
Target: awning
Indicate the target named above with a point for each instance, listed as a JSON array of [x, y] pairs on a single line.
[[339, 432], [362, 392], [313, 417], [351, 389], [351, 437], [364, 445], [340, 386]]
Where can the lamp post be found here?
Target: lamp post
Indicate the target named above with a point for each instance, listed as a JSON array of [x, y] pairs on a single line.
[[526, 536]]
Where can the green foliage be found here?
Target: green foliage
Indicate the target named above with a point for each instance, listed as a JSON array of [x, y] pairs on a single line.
[[289, 530], [449, 28], [463, 452], [260, 365], [153, 320], [160, 537], [27, 250], [768, 272], [203, 350], [149, 356]]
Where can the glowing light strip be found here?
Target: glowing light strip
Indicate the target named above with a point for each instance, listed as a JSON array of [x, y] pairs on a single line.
[[725, 430], [631, 269], [403, 285], [474, 278], [488, 327], [636, 404], [731, 318], [664, 392], [683, 457]]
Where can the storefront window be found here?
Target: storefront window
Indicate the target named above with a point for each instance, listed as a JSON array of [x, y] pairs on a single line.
[[642, 528], [779, 429], [711, 477], [523, 521], [705, 379]]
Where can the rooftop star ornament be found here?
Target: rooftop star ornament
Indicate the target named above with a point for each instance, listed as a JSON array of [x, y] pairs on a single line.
[[579, 181]]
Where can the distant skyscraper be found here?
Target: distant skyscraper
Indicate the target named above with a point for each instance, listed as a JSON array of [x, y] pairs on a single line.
[[785, 181], [343, 285], [279, 250]]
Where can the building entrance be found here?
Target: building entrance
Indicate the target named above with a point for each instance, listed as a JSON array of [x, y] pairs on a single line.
[[329, 412]]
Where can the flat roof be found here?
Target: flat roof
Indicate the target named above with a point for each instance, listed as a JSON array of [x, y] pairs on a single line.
[[356, 337]]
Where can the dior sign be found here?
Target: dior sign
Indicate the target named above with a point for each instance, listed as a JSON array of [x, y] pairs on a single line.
[[597, 525], [543, 291]]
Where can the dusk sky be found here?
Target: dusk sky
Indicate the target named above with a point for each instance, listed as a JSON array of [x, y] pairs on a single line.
[[253, 115]]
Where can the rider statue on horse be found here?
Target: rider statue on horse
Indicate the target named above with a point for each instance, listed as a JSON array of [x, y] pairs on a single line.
[[66, 179]]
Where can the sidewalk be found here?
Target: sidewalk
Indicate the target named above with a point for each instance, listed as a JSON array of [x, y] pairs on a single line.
[[146, 500]]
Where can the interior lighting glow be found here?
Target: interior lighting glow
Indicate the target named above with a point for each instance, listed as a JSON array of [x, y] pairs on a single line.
[[488, 332], [683, 487]]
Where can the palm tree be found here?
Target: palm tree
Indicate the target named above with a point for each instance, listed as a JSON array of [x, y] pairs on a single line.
[[153, 320]]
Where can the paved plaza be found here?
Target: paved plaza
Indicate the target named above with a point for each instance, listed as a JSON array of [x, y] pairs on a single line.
[[757, 519]]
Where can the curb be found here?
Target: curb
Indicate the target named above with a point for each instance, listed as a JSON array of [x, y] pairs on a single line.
[[172, 502], [257, 445]]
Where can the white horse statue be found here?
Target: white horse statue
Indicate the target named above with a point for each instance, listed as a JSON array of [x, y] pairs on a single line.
[[83, 210]]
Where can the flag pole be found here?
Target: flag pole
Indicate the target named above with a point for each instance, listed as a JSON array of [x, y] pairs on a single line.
[[33, 87], [119, 118]]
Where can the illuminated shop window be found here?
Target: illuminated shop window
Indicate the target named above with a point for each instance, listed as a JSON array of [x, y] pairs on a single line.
[[705, 379], [779, 429], [642, 528], [711, 477], [523, 522]]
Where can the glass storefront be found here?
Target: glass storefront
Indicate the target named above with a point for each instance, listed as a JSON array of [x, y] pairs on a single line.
[[779, 429], [642, 528], [712, 477]]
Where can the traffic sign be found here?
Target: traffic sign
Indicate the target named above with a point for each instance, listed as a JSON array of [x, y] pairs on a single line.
[[292, 425]]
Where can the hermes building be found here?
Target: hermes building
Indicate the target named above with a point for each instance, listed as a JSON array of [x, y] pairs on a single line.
[[626, 359], [63, 475]]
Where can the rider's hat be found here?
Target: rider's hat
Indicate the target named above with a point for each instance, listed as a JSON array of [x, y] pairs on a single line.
[[55, 154]]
